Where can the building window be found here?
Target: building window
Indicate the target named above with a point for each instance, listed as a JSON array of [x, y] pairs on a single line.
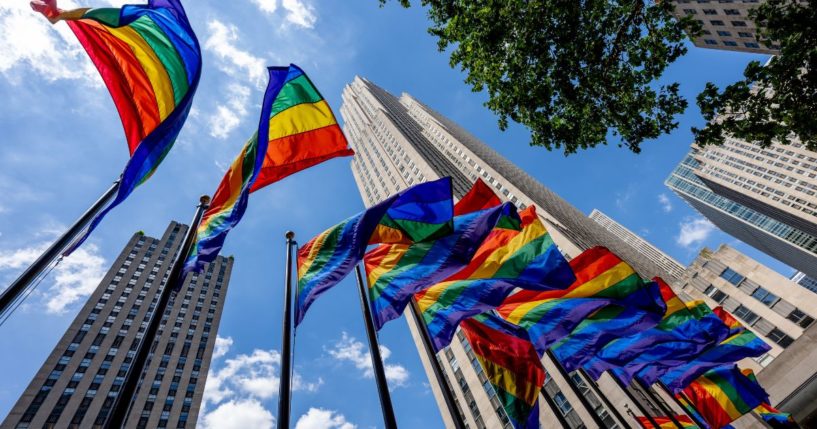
[[732, 277], [745, 314], [710, 42], [767, 298], [717, 23], [752, 45], [724, 33], [738, 24], [730, 43], [715, 294], [800, 318], [780, 338]]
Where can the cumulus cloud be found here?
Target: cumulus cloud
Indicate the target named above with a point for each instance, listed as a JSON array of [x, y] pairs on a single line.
[[241, 414], [223, 41], [76, 277], [267, 6], [319, 418], [228, 116], [665, 202], [348, 349], [694, 231], [30, 44], [300, 13], [242, 381]]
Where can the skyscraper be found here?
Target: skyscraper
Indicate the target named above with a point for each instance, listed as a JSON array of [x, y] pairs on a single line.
[[774, 236], [672, 267], [79, 380], [400, 142], [725, 25]]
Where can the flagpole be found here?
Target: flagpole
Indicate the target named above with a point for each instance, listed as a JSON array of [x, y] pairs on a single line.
[[633, 399], [16, 289], [552, 405], [285, 383], [439, 375], [595, 387], [677, 402], [664, 408], [374, 350], [121, 405], [580, 395]]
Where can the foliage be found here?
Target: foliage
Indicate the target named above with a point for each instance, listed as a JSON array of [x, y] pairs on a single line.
[[572, 71], [776, 102]]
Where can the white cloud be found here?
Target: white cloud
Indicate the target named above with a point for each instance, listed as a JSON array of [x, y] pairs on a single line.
[[30, 44], [76, 277], [300, 13], [268, 6], [665, 202], [241, 414], [228, 116], [222, 41], [694, 231], [222, 346], [242, 381], [350, 350], [319, 418], [623, 199]]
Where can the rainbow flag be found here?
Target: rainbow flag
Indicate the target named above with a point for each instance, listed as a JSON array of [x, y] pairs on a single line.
[[665, 422], [511, 364], [639, 311], [723, 395], [685, 331], [602, 278], [150, 60], [508, 259], [421, 212], [734, 325], [396, 272], [302, 132], [739, 346], [776, 418]]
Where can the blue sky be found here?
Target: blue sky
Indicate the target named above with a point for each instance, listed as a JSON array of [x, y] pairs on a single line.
[[62, 145]]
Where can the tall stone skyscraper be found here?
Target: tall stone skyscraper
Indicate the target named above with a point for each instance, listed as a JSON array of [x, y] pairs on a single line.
[[764, 197], [400, 142], [725, 24], [79, 381]]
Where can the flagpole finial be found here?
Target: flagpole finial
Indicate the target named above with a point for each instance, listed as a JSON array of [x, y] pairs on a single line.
[[290, 235], [204, 199]]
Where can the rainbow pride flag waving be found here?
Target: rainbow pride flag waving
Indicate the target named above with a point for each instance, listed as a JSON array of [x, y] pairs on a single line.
[[150, 60], [301, 132]]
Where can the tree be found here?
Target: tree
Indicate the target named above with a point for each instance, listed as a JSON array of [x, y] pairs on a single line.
[[776, 102], [573, 71]]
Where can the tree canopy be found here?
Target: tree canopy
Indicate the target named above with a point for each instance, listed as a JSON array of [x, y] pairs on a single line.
[[574, 72], [776, 102]]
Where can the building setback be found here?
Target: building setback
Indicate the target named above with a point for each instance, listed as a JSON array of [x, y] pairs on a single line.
[[672, 267], [400, 142], [79, 380], [725, 25], [778, 239]]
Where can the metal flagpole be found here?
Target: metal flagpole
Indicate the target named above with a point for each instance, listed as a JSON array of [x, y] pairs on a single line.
[[595, 387], [691, 415], [582, 398], [377, 361], [552, 405], [285, 386], [664, 408], [633, 399], [448, 394], [121, 405], [16, 289]]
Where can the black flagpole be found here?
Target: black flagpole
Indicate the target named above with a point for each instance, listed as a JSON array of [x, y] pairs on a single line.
[[575, 390], [595, 387], [439, 375], [285, 383], [552, 404], [121, 405], [664, 408], [374, 350], [635, 401], [16, 289], [680, 405]]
